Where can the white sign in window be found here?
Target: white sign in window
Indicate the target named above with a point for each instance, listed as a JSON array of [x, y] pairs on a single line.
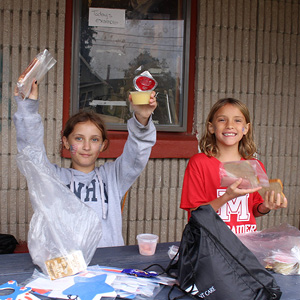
[[106, 17]]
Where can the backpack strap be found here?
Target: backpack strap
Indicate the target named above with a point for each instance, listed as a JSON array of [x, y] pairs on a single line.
[[184, 293], [171, 266]]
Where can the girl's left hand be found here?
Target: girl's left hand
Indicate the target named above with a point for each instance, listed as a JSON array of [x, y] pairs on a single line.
[[143, 112], [273, 202]]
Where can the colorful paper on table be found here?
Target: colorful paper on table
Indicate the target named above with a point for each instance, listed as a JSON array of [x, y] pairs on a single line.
[[56, 288], [112, 281], [18, 292]]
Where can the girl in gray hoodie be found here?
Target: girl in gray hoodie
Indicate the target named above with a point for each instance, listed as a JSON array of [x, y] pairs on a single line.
[[101, 188]]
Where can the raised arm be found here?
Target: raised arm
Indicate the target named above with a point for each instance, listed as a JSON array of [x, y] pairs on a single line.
[[28, 123], [141, 138]]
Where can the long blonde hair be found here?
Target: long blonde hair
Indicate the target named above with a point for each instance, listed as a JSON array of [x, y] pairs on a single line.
[[208, 143]]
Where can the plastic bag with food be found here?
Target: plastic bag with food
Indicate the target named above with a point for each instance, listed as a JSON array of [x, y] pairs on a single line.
[[276, 248], [64, 232], [37, 69], [250, 171], [285, 262]]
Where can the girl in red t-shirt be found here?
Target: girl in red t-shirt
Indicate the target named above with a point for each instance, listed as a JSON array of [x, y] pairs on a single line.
[[228, 136]]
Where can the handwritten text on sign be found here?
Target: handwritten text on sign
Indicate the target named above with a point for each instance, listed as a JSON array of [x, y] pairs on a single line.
[[106, 17]]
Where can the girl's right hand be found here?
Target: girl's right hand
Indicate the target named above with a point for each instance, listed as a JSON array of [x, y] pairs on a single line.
[[34, 92], [233, 191]]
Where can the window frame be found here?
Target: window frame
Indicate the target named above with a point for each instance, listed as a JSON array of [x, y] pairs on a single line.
[[169, 144]]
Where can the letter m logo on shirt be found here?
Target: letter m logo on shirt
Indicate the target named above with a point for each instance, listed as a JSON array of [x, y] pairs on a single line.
[[238, 206]]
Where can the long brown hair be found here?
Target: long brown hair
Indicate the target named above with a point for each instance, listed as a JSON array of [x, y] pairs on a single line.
[[85, 116], [208, 143]]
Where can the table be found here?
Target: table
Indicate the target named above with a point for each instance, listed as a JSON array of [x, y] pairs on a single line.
[[19, 267]]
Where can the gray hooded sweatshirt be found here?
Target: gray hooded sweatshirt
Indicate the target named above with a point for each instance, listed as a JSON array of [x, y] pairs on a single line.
[[103, 188]]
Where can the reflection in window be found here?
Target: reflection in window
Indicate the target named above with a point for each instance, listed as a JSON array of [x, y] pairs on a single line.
[[119, 40]]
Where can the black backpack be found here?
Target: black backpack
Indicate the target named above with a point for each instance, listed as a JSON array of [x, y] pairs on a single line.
[[8, 243], [213, 260]]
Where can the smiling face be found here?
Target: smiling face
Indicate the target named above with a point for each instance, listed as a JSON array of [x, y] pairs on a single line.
[[229, 126], [85, 143]]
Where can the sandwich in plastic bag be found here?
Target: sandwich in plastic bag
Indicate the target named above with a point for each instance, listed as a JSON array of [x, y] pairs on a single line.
[[250, 171], [64, 232], [277, 248], [37, 69], [276, 186]]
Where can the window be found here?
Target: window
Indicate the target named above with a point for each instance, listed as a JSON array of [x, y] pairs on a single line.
[[115, 40]]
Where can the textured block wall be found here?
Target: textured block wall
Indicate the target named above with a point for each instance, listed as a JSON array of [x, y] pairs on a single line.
[[27, 28], [153, 204], [245, 48]]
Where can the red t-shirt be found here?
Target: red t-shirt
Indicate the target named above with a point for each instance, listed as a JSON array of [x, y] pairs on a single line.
[[201, 185]]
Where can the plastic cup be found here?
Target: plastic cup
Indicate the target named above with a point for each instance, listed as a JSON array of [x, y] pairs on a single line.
[[140, 97], [147, 243]]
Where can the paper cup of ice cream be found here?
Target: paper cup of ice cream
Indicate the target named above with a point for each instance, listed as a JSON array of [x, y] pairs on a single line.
[[140, 97]]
